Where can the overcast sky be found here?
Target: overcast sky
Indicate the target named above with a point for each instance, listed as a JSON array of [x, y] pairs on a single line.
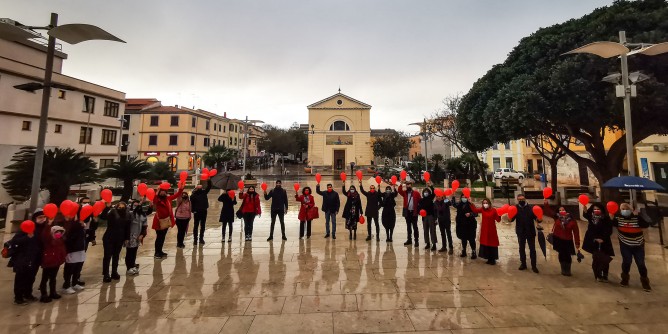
[[270, 59]]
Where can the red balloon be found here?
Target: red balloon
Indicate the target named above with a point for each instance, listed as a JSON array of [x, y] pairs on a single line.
[[205, 171], [583, 199], [359, 175], [65, 207], [466, 192], [106, 195], [150, 194], [343, 176], [263, 186], [213, 172], [426, 176], [612, 206], [503, 210], [204, 177], [547, 192], [141, 189], [240, 184], [165, 186], [50, 210], [86, 211], [183, 176], [438, 192], [403, 175], [512, 211], [448, 192], [231, 194], [296, 186], [362, 220], [379, 179], [98, 207], [455, 185], [28, 226], [538, 211], [423, 213], [393, 179], [318, 177]]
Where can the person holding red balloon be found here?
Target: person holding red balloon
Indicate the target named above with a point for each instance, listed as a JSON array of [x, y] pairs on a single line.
[[307, 202], [566, 233], [164, 217], [428, 213], [631, 243], [373, 199], [24, 250], [115, 237], [139, 210], [182, 215], [389, 217], [410, 212], [229, 200], [330, 206], [525, 228], [466, 225], [200, 205], [597, 239], [250, 207], [75, 244], [90, 223], [489, 238], [442, 210], [53, 256], [279, 207], [352, 211]]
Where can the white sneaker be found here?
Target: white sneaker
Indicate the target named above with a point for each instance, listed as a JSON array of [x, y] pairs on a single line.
[[132, 272], [78, 287], [69, 291]]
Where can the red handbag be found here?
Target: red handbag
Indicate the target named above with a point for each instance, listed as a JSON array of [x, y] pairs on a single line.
[[312, 213]]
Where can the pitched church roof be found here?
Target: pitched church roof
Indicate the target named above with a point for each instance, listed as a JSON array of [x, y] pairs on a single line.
[[339, 94]]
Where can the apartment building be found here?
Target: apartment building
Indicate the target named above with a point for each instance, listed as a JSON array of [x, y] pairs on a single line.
[[82, 115]]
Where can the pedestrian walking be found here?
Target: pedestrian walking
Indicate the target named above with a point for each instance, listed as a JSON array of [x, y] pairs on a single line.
[[489, 238], [163, 219], [565, 233], [227, 212], [200, 205], [525, 228], [389, 217], [24, 251], [426, 203], [182, 215], [597, 240], [373, 199], [138, 230], [442, 207], [53, 256], [307, 202], [352, 211], [250, 207], [410, 212], [466, 225], [75, 245], [115, 236], [279, 207], [632, 243], [330, 206]]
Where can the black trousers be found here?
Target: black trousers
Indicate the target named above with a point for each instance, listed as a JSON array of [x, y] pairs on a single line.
[[446, 234], [225, 225], [373, 218], [523, 240], [160, 240], [71, 274], [23, 282], [249, 218], [469, 242], [411, 225], [304, 225], [200, 221], [112, 251], [281, 215], [181, 229], [48, 276], [131, 257]]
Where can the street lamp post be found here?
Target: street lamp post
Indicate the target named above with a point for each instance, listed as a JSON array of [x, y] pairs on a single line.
[[625, 90], [70, 33]]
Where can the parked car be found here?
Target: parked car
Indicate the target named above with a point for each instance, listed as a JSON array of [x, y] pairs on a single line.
[[506, 173]]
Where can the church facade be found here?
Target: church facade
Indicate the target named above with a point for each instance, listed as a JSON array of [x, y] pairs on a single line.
[[339, 133]]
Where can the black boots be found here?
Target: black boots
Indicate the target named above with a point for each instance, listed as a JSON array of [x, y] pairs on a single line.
[[473, 255], [625, 279], [565, 269], [645, 283], [463, 253]]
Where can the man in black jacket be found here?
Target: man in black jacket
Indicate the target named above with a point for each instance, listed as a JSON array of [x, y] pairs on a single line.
[[526, 232], [279, 207], [372, 205], [199, 201], [330, 206]]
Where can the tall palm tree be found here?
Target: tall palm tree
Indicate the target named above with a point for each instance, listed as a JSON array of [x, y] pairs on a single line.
[[218, 155], [127, 170], [62, 169]]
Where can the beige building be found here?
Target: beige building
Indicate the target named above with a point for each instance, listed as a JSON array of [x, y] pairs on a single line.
[[652, 159], [516, 154], [82, 115], [341, 133]]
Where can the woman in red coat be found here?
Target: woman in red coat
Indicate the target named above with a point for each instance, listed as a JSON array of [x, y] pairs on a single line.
[[163, 211], [250, 207], [566, 232], [489, 239], [307, 201]]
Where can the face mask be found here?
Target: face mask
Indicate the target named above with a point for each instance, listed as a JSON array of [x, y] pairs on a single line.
[[409, 188], [58, 235], [278, 186], [162, 195], [372, 190], [464, 200], [522, 203], [352, 191], [626, 213], [388, 191], [563, 213], [329, 190], [485, 205], [425, 194], [306, 192], [121, 208], [597, 212], [184, 197]]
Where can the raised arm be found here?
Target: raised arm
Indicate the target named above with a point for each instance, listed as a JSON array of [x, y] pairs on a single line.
[[268, 195], [176, 195], [208, 187], [365, 193], [317, 190], [474, 208]]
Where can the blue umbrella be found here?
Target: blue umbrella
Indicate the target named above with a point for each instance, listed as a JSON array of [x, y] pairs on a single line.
[[632, 182]]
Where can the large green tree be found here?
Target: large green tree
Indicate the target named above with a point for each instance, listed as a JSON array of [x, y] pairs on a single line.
[[128, 170], [63, 167], [218, 156], [393, 145], [538, 90], [279, 141]]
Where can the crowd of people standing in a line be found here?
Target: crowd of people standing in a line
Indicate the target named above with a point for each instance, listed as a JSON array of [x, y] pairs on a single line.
[[50, 242]]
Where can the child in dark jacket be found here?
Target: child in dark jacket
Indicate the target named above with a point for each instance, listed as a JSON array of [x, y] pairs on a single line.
[[24, 251], [53, 256]]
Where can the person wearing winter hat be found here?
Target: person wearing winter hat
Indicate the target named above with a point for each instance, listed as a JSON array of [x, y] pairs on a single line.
[[24, 252], [41, 223], [53, 256]]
